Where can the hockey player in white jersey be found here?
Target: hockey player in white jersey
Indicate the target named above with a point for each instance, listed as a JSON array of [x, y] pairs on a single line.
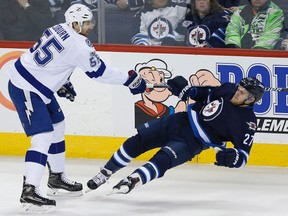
[[40, 72]]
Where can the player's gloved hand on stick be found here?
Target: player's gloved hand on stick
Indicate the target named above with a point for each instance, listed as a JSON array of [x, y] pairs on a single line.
[[229, 157], [67, 91], [135, 83], [179, 87]]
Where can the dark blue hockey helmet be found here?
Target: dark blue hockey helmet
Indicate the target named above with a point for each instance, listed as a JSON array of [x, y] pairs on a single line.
[[253, 86]]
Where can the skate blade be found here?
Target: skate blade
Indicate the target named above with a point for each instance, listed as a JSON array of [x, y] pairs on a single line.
[[63, 193], [87, 190], [28, 208], [122, 190]]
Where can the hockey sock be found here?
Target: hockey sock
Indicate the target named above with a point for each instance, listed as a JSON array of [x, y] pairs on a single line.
[[119, 160], [56, 156], [36, 158], [130, 149], [155, 168]]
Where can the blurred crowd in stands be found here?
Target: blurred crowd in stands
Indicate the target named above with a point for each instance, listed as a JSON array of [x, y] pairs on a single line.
[[249, 24]]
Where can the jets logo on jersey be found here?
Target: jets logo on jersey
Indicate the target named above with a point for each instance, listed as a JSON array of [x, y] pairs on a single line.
[[159, 28], [252, 126], [212, 110], [198, 35]]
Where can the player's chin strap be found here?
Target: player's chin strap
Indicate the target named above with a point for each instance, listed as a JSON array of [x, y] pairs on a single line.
[[80, 29]]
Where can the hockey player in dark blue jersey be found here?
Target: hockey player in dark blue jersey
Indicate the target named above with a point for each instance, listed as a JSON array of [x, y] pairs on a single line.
[[205, 24], [220, 114]]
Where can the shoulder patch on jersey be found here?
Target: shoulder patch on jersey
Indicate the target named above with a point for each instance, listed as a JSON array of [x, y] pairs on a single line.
[[252, 126], [88, 42]]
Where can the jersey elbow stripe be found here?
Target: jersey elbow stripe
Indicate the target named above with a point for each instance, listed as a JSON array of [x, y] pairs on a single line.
[[98, 73], [32, 80]]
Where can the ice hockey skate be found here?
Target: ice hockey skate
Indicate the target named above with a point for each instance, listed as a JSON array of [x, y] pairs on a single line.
[[99, 179], [60, 186], [127, 184], [33, 202]]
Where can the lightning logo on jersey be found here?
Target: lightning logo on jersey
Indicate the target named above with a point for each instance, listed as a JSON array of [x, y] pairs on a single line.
[[29, 107]]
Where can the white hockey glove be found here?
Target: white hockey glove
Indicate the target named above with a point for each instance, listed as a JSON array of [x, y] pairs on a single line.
[[135, 83]]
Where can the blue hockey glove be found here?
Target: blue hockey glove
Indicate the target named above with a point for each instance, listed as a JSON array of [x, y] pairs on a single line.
[[229, 157], [67, 91], [179, 87], [135, 83]]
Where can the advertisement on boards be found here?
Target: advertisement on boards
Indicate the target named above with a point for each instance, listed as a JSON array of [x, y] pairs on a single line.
[[213, 70], [109, 110]]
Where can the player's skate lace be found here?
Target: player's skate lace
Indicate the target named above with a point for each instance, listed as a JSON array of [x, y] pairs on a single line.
[[66, 180], [60, 185], [127, 184], [38, 192], [99, 179]]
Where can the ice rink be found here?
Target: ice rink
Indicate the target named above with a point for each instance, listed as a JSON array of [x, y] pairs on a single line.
[[194, 190]]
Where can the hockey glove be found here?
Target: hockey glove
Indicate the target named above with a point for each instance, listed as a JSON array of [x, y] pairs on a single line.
[[135, 83], [67, 91], [229, 157], [179, 87]]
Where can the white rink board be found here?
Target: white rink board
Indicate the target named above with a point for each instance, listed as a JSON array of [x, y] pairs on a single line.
[[108, 110]]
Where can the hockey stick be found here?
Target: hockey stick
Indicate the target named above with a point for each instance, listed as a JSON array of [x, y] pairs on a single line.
[[151, 85], [276, 89], [164, 85]]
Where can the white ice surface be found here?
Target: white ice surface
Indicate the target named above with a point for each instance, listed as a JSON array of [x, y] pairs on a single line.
[[194, 190]]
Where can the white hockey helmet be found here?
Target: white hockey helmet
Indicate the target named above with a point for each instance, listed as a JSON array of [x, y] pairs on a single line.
[[78, 13]]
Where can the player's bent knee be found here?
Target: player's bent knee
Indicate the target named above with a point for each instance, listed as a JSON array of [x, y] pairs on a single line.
[[178, 154], [134, 146], [58, 133], [163, 161]]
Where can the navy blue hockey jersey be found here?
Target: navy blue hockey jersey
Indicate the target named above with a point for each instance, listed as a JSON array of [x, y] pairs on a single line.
[[209, 29], [214, 119]]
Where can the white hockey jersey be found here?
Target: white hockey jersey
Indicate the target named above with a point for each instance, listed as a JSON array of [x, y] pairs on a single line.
[[47, 65], [157, 24]]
